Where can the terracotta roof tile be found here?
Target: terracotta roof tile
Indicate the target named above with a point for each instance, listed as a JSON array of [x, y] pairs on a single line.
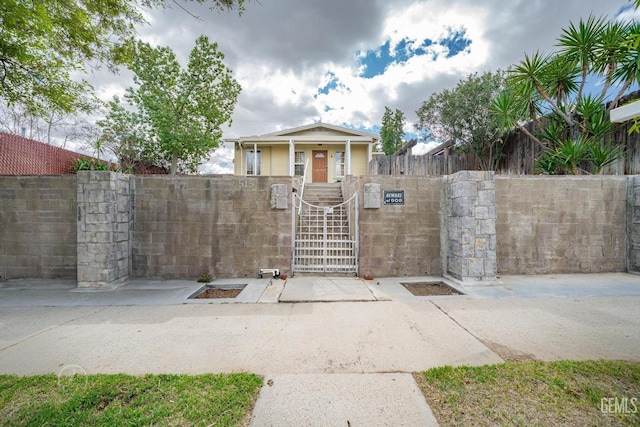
[[23, 156]]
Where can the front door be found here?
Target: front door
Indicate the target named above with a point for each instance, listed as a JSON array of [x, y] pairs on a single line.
[[320, 166]]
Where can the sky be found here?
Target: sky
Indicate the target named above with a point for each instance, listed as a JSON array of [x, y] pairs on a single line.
[[342, 61]]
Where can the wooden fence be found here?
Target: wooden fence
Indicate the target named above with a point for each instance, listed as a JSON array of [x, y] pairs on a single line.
[[521, 154], [421, 165]]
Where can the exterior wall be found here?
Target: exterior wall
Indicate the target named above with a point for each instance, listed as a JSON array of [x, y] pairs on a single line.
[[550, 225], [633, 224], [233, 226], [359, 160], [223, 225], [38, 227], [266, 160], [279, 160], [399, 240]]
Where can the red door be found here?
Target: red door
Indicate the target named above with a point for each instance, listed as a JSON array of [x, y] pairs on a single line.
[[320, 166]]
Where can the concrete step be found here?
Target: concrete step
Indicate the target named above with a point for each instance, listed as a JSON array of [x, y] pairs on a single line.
[[323, 194]]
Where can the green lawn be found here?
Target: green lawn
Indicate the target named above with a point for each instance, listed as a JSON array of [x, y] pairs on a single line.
[[110, 400], [564, 393]]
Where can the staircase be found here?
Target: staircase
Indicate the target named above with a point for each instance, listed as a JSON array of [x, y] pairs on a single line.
[[323, 194], [325, 237]]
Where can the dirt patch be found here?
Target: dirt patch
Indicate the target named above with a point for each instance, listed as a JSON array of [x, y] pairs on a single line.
[[430, 289], [508, 354], [218, 293]]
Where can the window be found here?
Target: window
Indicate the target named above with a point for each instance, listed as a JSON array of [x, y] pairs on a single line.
[[251, 164], [299, 163], [339, 163]]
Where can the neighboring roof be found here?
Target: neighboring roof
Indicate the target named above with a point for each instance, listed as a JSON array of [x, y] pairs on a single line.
[[406, 147], [23, 156], [312, 132], [440, 149]]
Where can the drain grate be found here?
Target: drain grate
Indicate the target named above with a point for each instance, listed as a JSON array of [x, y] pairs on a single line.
[[424, 289], [218, 291]]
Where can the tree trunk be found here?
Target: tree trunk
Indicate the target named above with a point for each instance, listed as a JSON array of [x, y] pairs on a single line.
[[174, 162]]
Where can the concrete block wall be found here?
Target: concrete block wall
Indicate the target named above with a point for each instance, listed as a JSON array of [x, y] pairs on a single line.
[[399, 240], [37, 227], [633, 224], [223, 225], [105, 227], [83, 226], [561, 224], [469, 226]]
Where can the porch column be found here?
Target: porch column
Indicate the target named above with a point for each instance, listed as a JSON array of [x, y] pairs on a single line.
[[347, 159], [369, 153], [255, 159], [292, 157], [243, 161]]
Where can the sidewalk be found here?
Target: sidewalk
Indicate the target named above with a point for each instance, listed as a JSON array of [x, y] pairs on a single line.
[[329, 362]]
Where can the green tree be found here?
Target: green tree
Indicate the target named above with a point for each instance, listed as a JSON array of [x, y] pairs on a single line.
[[392, 130], [123, 133], [175, 114], [462, 114], [43, 43]]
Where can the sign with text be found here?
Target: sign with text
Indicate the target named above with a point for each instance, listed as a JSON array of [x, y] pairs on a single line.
[[394, 197]]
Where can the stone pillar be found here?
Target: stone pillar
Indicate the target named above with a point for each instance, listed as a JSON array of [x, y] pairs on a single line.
[[633, 224], [469, 226], [105, 227]]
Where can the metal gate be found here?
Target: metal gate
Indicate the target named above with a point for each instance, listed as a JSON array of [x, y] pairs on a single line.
[[326, 239]]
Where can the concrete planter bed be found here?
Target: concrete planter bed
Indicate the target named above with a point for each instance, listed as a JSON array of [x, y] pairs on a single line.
[[423, 289], [218, 291]]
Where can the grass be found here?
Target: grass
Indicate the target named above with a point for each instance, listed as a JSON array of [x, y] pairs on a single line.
[[109, 400], [565, 393]]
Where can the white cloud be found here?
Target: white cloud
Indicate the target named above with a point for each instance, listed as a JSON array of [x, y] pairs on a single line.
[[282, 51], [630, 14], [422, 148]]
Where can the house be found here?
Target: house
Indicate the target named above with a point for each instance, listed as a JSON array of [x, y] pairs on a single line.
[[23, 156], [328, 152]]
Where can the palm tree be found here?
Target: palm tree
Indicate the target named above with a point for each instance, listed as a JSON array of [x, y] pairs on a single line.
[[510, 114], [577, 122], [560, 75], [609, 51], [579, 43], [532, 73], [628, 70]]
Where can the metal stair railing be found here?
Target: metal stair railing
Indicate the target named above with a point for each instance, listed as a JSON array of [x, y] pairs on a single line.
[[326, 239]]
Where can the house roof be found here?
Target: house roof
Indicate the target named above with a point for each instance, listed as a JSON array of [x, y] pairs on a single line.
[[406, 147], [23, 156], [440, 149], [312, 132]]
